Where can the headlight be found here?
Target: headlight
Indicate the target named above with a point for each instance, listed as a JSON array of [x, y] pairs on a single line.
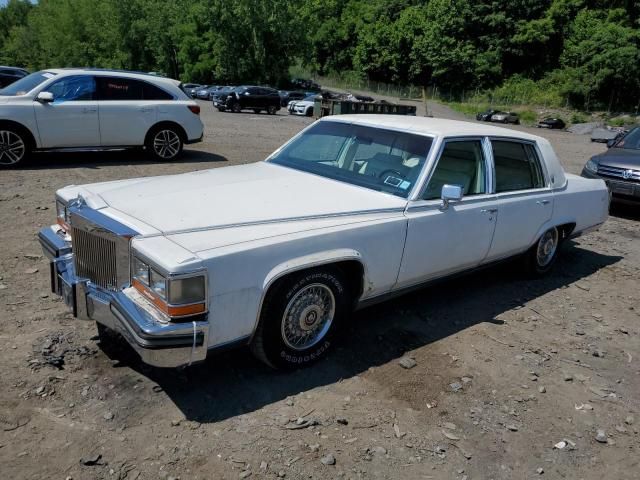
[[592, 166], [158, 284], [177, 296]]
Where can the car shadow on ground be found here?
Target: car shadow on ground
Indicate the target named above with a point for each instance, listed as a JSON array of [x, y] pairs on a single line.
[[627, 211], [97, 159], [234, 383]]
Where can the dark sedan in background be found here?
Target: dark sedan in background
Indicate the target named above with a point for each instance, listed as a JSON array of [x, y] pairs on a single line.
[[619, 166], [8, 75], [485, 116]]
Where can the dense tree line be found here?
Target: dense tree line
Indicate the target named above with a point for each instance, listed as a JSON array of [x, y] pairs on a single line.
[[582, 52]]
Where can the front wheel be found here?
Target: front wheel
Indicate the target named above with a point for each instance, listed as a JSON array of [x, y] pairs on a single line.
[[543, 254], [271, 109], [14, 147], [236, 108], [256, 111], [165, 143], [300, 318]]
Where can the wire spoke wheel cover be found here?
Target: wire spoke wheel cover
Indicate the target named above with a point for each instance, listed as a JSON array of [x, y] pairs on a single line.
[[12, 148], [308, 316], [166, 144], [547, 246]]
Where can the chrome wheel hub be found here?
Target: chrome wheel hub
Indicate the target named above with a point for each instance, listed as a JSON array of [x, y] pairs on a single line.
[[166, 143], [12, 148], [547, 246], [308, 316]]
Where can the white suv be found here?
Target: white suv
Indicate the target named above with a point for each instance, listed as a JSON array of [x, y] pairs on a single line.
[[89, 109]]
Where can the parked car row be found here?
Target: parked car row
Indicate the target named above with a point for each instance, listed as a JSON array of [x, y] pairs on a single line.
[[91, 109]]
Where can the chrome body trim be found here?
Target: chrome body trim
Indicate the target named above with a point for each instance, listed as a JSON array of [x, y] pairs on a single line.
[[158, 343]]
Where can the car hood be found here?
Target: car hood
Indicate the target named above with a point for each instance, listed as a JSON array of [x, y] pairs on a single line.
[[238, 196], [303, 103], [620, 157]]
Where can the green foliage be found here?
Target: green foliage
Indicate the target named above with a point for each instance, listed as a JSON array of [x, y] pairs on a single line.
[[556, 53], [578, 117]]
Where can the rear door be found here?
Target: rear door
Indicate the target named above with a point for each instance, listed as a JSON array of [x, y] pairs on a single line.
[[523, 195], [71, 120], [126, 114]]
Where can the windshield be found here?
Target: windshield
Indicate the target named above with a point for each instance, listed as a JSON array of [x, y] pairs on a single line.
[[375, 158], [630, 141], [310, 98], [26, 84]]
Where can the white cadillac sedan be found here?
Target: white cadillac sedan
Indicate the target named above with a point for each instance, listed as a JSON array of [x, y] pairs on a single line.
[[277, 254], [88, 109]]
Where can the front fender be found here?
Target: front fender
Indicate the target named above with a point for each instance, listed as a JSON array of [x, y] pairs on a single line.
[[312, 260]]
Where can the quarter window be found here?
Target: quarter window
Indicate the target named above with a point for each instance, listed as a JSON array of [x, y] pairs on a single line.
[[461, 163], [517, 166], [75, 88]]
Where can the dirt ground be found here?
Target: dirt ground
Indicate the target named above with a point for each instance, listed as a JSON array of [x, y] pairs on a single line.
[[506, 367]]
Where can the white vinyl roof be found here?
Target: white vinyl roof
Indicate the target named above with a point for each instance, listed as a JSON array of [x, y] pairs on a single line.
[[431, 126]]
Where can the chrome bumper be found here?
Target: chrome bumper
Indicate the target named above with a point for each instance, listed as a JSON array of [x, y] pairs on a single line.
[[161, 344]]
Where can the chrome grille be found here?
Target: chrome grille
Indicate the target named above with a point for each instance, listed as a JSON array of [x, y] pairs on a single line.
[[619, 173], [95, 258]]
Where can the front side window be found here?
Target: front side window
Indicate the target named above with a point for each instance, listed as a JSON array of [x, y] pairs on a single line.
[[74, 89], [517, 166], [26, 84], [113, 89], [461, 163], [374, 158]]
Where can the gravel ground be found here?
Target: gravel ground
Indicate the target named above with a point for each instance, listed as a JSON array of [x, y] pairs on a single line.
[[505, 368]]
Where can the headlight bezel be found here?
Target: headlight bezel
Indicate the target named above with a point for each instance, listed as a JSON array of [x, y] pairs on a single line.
[[62, 214], [161, 292]]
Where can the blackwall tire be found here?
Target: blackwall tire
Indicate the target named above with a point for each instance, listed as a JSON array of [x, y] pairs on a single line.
[[15, 147], [300, 318], [542, 256], [164, 143]]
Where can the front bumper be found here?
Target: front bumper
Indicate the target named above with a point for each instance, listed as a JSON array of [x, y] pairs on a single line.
[[159, 343], [620, 190]]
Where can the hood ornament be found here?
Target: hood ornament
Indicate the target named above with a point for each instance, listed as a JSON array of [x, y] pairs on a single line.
[[627, 174]]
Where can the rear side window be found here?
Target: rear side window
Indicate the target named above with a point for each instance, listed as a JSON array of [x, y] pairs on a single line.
[[517, 166], [151, 92], [113, 89]]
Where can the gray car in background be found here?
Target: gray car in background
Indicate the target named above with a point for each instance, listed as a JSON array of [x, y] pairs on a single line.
[[619, 166]]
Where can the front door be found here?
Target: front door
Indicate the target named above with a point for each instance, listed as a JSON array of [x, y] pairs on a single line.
[[441, 241], [71, 120]]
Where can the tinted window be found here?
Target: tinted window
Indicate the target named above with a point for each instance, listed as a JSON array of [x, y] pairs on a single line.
[[517, 166], [461, 163], [26, 84], [370, 157], [76, 88], [112, 89], [151, 92], [631, 140], [254, 91]]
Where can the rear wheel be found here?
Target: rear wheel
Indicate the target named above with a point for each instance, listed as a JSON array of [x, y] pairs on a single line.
[[543, 254], [256, 110], [300, 318], [271, 109], [165, 143], [14, 147], [309, 112], [236, 108]]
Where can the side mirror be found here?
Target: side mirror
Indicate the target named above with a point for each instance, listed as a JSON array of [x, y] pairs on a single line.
[[45, 97], [450, 193], [611, 142]]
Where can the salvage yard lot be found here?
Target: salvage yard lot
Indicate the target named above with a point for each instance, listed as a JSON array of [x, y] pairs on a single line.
[[506, 367]]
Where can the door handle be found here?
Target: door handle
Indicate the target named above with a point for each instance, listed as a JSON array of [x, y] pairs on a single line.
[[89, 110], [489, 210], [542, 202], [146, 109]]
